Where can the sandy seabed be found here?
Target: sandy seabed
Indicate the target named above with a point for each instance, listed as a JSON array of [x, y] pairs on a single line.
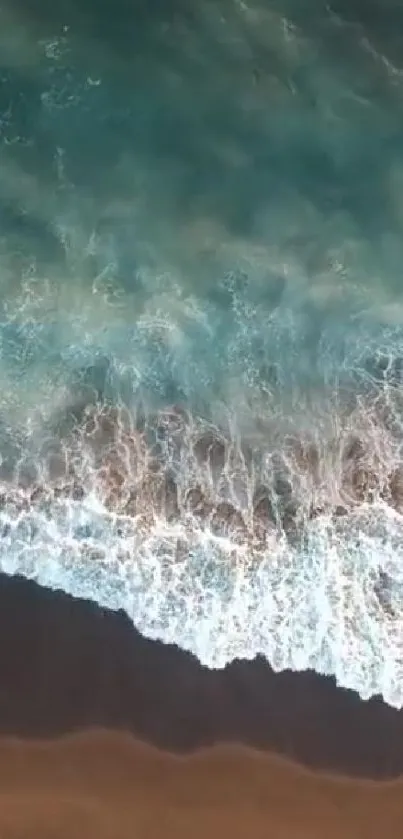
[[104, 733]]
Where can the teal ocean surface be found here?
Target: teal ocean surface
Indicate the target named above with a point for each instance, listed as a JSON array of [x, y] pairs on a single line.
[[201, 323]]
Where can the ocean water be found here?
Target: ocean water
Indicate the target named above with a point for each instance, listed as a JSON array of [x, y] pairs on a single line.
[[201, 323]]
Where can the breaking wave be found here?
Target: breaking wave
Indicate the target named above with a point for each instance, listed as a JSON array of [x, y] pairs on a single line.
[[201, 340], [288, 544]]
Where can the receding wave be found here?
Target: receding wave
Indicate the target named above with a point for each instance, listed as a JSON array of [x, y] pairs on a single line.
[[287, 545]]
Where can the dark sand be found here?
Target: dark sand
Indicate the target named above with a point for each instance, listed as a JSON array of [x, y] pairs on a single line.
[[67, 666]]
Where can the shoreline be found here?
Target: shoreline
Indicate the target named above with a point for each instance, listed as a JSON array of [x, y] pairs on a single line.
[[68, 665]]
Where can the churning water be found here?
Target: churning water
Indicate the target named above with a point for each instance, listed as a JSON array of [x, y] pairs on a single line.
[[201, 324]]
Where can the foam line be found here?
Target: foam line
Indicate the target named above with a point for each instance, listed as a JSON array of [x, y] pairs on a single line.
[[241, 552]]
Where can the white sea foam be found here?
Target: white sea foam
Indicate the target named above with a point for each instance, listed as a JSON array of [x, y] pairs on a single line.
[[313, 607], [322, 589]]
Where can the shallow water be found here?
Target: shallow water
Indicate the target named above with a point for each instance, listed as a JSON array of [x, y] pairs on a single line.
[[203, 209]]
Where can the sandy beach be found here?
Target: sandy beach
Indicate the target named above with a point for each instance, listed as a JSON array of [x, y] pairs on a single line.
[[111, 787], [106, 734]]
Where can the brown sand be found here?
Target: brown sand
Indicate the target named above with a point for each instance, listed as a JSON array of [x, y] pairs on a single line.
[[112, 787], [68, 666]]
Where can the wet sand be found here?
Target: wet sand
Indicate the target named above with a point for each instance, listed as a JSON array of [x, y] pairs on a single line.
[[91, 715], [67, 665]]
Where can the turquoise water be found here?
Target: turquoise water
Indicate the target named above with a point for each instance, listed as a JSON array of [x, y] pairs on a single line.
[[202, 209]]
